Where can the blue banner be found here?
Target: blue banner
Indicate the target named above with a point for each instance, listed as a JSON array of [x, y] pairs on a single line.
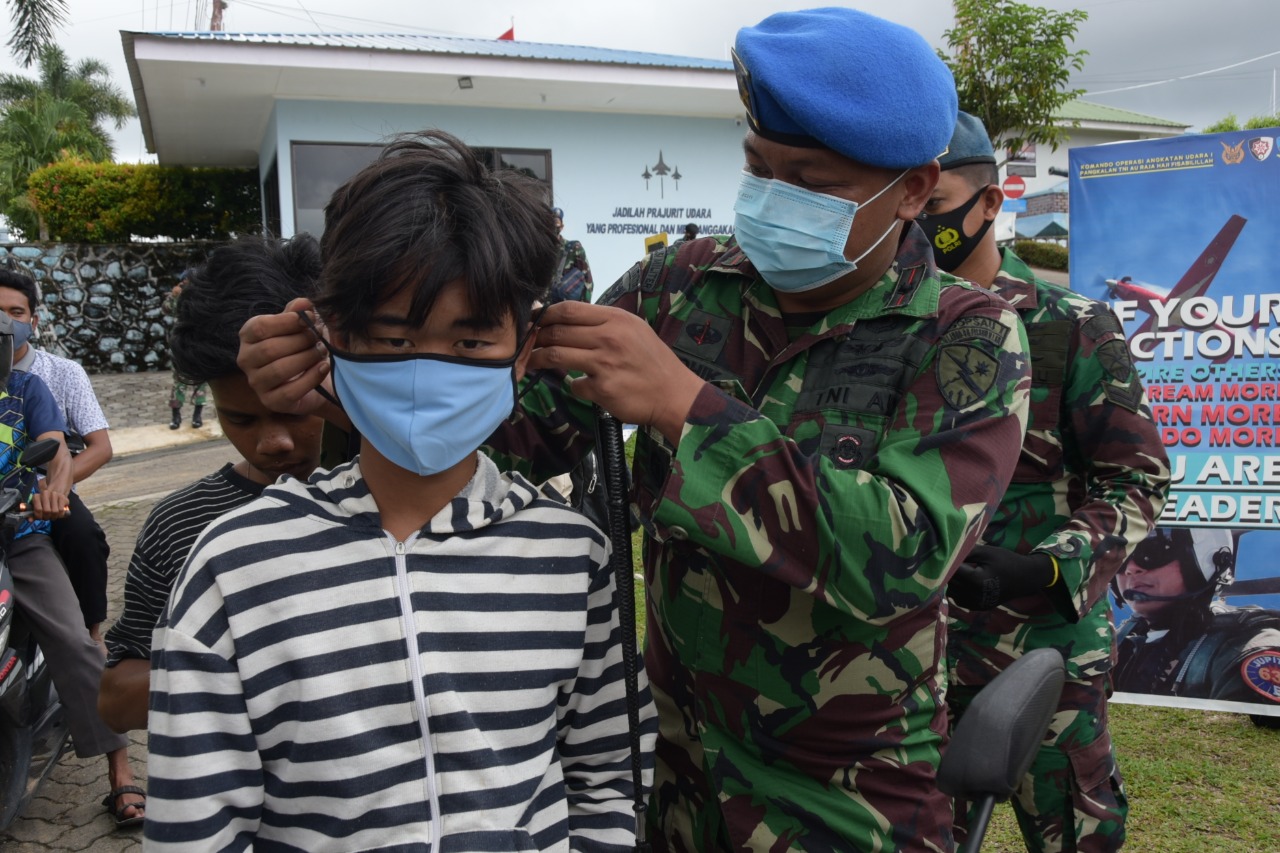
[[1179, 236]]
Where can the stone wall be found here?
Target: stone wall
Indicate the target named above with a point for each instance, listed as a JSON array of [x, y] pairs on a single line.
[[102, 303]]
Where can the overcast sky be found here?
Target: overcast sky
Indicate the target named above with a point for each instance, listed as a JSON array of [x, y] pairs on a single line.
[[1130, 42]]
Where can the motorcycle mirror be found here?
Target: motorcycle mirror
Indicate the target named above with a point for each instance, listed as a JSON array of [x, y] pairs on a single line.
[[38, 452]]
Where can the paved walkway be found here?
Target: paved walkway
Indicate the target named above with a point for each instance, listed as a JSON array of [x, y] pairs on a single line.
[[137, 408]]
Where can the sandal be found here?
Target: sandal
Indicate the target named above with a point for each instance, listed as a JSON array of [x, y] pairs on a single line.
[[119, 815]]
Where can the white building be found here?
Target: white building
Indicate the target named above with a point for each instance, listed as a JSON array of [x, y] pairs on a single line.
[[630, 144]]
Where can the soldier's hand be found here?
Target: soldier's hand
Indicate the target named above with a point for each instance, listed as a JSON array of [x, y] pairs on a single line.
[[284, 362], [629, 371], [991, 576]]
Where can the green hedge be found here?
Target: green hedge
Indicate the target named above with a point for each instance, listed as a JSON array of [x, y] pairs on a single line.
[[1049, 256], [86, 202]]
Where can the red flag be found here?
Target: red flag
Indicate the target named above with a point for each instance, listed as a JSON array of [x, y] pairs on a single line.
[[509, 35]]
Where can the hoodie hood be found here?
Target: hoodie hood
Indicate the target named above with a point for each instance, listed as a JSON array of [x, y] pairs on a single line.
[[341, 496]]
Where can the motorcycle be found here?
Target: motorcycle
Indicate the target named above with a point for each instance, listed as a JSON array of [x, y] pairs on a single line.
[[33, 727]]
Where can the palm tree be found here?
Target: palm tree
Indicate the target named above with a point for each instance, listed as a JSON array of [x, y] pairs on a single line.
[[33, 24], [33, 134], [87, 85]]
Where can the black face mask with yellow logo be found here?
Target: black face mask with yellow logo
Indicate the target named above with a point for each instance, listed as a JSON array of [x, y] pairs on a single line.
[[946, 234]]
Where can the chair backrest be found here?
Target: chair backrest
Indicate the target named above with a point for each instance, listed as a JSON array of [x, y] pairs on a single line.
[[994, 743]]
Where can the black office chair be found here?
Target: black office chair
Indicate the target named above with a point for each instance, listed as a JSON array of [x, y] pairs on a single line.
[[996, 740]]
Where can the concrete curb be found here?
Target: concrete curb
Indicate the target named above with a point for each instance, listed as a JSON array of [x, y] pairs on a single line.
[[131, 440]]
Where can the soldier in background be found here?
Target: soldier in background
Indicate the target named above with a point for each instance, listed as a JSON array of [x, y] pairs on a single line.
[[1091, 480], [1180, 641], [575, 273], [824, 424], [179, 391]]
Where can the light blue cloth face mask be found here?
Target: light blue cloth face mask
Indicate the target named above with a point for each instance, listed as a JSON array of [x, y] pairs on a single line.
[[794, 237], [423, 412]]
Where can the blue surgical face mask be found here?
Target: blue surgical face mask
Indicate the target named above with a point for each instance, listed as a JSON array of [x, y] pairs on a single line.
[[794, 237], [424, 413]]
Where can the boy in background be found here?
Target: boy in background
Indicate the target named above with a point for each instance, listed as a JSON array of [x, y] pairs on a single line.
[[241, 279]]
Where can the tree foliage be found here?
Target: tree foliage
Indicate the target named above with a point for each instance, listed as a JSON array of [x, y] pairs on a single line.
[[90, 202], [1229, 122], [1012, 67], [87, 84], [59, 113], [33, 24], [34, 133]]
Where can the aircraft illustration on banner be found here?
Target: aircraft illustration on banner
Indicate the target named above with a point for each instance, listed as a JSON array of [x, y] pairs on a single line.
[[1194, 282]]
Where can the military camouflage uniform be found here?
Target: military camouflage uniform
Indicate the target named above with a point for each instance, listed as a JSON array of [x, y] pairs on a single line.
[[178, 390], [575, 274], [1231, 654], [1091, 480], [798, 541]]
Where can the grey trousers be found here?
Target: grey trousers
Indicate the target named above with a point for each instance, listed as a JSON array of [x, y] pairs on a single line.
[[49, 605]]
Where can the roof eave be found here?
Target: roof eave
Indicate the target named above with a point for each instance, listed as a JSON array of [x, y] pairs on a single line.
[[139, 91], [1122, 127]]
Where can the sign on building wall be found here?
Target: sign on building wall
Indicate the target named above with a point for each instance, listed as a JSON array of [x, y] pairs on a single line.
[[655, 195], [1178, 235]]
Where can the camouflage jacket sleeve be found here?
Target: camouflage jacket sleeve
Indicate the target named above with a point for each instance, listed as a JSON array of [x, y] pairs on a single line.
[[1111, 437], [552, 429], [549, 433], [874, 542]]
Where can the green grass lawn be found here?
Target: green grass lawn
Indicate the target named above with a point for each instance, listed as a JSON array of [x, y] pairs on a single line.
[[1198, 782]]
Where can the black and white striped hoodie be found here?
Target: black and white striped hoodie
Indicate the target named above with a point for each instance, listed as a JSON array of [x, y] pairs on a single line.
[[317, 685]]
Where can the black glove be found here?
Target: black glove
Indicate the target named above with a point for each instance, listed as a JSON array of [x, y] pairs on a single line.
[[991, 576]]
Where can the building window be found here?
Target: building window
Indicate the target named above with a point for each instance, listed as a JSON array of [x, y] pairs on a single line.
[[533, 162], [271, 199], [320, 168]]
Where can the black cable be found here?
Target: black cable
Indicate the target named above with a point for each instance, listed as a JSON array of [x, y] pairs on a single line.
[[613, 462]]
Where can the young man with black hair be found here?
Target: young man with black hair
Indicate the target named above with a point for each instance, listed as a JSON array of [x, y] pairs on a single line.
[[239, 280], [414, 650], [78, 538]]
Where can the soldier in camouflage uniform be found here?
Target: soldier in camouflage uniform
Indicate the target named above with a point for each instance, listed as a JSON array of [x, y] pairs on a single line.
[[575, 273], [810, 464], [823, 433], [1091, 479], [178, 391]]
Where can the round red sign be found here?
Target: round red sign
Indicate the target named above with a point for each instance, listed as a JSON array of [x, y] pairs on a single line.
[[1014, 187]]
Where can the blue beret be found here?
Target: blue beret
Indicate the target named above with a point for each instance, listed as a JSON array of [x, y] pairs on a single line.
[[838, 78], [969, 144], [559, 213]]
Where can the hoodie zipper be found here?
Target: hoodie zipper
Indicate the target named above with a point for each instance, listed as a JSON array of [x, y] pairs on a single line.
[[415, 671]]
